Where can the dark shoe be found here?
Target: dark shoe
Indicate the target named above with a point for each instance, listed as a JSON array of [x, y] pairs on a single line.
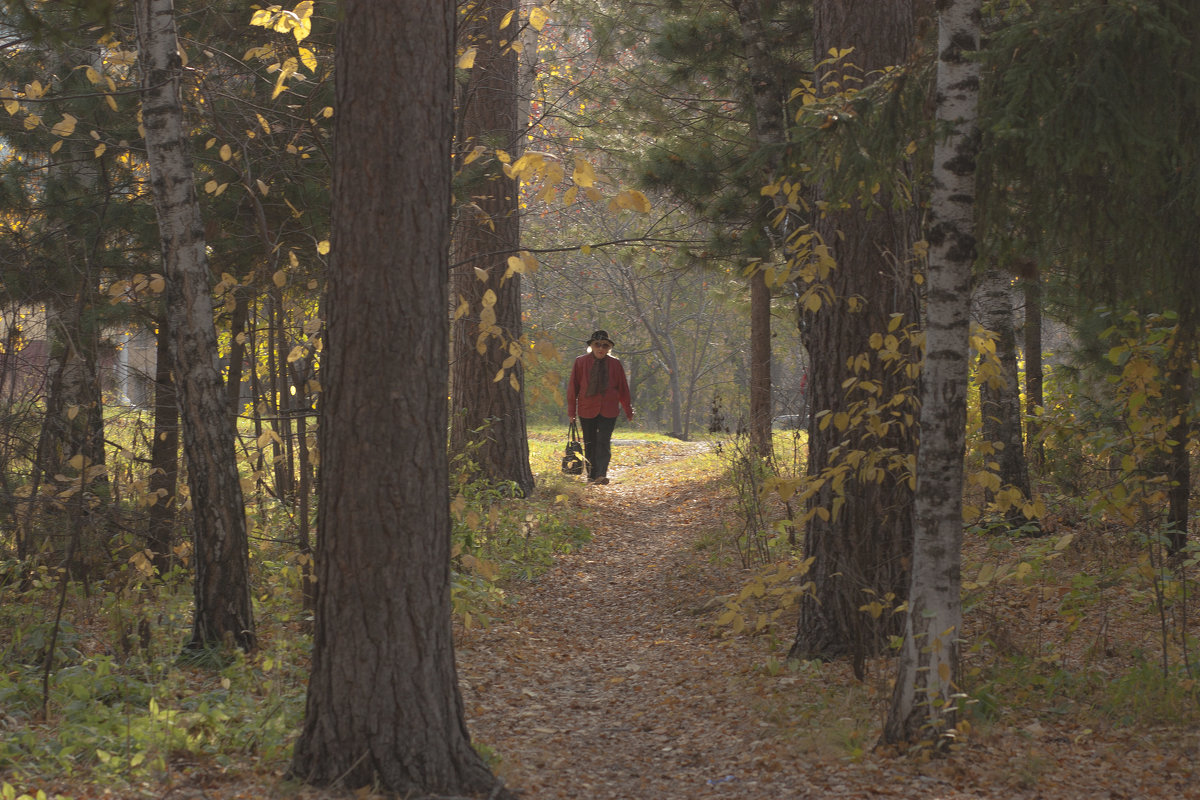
[[602, 481]]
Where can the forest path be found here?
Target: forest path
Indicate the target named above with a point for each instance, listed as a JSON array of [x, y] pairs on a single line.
[[606, 680]]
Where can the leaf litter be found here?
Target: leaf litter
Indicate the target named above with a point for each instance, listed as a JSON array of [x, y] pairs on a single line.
[[609, 679]]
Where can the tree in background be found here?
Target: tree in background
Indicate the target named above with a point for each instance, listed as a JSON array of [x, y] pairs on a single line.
[[1092, 167], [383, 701], [222, 583], [1000, 399], [487, 377]]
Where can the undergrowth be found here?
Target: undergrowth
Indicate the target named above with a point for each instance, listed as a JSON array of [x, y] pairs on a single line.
[[115, 705]]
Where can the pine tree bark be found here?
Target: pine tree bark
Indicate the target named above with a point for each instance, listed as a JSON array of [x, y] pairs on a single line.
[[861, 554], [489, 415], [923, 705], [383, 703], [1000, 398], [223, 611]]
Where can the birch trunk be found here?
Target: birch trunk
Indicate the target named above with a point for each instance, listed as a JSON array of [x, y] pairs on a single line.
[[923, 706], [222, 589]]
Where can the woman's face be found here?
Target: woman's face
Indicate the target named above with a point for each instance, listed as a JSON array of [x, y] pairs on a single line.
[[600, 349]]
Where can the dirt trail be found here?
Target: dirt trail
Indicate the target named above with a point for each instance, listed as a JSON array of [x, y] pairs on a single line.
[[608, 682]]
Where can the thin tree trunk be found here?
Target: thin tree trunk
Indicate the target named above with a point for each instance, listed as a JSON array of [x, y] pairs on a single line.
[[760, 365], [237, 349], [1000, 395], [1182, 387], [164, 456], [383, 703], [924, 708], [1034, 371], [770, 134], [222, 586]]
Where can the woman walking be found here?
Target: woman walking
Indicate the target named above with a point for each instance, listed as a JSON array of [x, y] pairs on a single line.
[[595, 394]]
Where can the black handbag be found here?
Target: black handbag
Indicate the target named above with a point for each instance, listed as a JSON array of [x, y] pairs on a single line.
[[572, 461]]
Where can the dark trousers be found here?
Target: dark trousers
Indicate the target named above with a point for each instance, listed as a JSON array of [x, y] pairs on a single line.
[[597, 444]]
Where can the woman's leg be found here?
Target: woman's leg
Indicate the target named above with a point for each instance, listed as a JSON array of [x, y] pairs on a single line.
[[604, 432], [589, 428]]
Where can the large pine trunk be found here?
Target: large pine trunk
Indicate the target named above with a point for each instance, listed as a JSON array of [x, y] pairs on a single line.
[[383, 702], [223, 611], [861, 552], [489, 414], [924, 700]]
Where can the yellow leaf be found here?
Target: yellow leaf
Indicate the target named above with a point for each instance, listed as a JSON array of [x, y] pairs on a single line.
[[944, 672], [226, 152], [508, 18], [54, 148], [262, 122], [323, 247], [308, 59], [569, 197], [463, 308], [499, 377], [112, 103], [293, 259], [481, 274], [210, 187], [72, 413], [262, 187], [583, 175], [633, 200], [279, 278], [157, 283], [514, 383], [65, 127], [489, 299], [91, 74], [298, 352], [467, 59], [538, 17], [221, 189], [100, 148]]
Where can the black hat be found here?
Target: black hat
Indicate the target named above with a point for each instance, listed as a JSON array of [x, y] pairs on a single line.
[[599, 336]]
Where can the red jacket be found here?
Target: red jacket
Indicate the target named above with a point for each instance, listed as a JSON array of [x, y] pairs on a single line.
[[604, 405]]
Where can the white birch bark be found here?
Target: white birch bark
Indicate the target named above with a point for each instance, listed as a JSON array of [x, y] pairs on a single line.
[[220, 559], [923, 704]]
